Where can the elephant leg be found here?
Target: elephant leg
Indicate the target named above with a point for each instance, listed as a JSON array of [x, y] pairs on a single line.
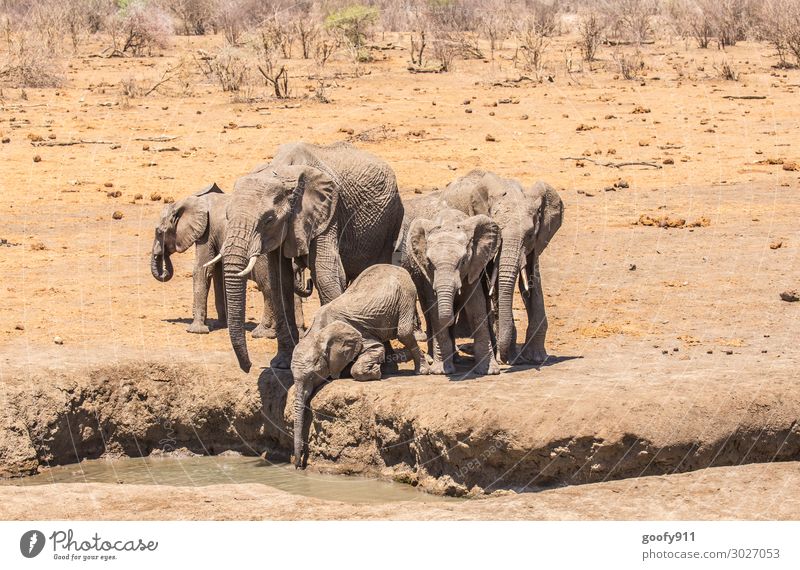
[[260, 274], [405, 333], [200, 284], [298, 314], [534, 351], [428, 306], [282, 295], [478, 319], [368, 364], [444, 347], [327, 271], [219, 296]]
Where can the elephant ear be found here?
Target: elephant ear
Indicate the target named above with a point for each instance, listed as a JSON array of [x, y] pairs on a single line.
[[484, 241], [340, 343], [313, 201], [547, 216], [211, 189], [417, 245], [191, 215]]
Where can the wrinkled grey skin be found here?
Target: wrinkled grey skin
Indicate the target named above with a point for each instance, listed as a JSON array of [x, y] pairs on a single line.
[[528, 219], [379, 306], [446, 257], [334, 209], [200, 220]]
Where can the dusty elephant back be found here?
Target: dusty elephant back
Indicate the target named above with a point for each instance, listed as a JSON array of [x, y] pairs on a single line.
[[369, 212]]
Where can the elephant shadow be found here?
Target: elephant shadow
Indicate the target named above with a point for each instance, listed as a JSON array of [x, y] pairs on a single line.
[[214, 324], [549, 361]]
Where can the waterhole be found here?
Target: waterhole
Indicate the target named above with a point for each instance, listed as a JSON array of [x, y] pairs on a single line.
[[215, 470]]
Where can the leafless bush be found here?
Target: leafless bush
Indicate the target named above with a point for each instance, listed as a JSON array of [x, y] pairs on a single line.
[[229, 67], [546, 15], [29, 62], [532, 42], [590, 30], [629, 20], [140, 27], [495, 22], [779, 24], [195, 16], [274, 73], [727, 72], [307, 32], [729, 18], [630, 64]]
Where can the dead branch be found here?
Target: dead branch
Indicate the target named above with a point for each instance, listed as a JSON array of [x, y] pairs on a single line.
[[68, 143], [613, 164], [161, 138], [744, 97], [168, 74]]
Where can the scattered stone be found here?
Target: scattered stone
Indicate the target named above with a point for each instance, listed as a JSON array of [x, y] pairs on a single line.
[[701, 222], [639, 110], [585, 127], [621, 184], [117, 215], [19, 327], [155, 196], [669, 161], [169, 200], [468, 110], [346, 130], [632, 267], [609, 117], [38, 246], [466, 102], [791, 166], [58, 340], [138, 197], [6, 140], [108, 184], [524, 117], [644, 143], [37, 158], [146, 147], [662, 222], [776, 245], [490, 138], [790, 296], [114, 194], [34, 138]]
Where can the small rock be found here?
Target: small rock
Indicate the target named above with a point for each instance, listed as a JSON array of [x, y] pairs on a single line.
[[632, 267], [621, 184], [146, 147], [138, 197], [790, 296], [114, 194], [6, 140], [19, 327], [58, 340], [669, 161], [468, 110], [117, 215], [776, 245], [108, 184], [490, 138], [644, 143], [524, 117], [169, 200], [37, 158], [791, 166], [155, 196]]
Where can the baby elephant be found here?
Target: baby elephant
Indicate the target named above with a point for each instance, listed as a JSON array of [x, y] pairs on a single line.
[[446, 257], [379, 306]]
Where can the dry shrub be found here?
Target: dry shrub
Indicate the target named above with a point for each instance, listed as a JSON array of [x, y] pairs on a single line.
[[228, 67], [194, 16], [140, 27], [29, 62], [727, 72], [590, 29], [630, 64], [629, 20], [268, 50], [779, 24], [532, 42]]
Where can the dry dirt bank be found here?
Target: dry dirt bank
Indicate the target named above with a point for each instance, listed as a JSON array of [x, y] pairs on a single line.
[[576, 421], [752, 492]]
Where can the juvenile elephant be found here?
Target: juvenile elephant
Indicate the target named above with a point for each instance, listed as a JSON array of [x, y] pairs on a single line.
[[528, 219], [200, 220], [446, 256], [334, 209], [379, 306]]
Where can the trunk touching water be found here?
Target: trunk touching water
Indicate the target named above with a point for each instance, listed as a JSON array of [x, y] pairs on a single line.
[[299, 424], [235, 259], [506, 281], [160, 264]]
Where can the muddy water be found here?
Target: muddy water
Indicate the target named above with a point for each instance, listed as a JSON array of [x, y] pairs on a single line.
[[202, 471]]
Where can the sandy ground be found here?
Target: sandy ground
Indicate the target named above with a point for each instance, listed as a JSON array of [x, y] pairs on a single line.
[[749, 492], [687, 309]]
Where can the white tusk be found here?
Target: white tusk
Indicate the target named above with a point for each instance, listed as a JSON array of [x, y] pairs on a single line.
[[249, 267], [213, 261], [524, 279], [493, 280]]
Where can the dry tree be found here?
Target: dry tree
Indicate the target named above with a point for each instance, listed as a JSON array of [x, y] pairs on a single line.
[[590, 30]]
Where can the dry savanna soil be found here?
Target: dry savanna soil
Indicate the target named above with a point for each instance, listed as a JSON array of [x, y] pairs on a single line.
[[673, 350]]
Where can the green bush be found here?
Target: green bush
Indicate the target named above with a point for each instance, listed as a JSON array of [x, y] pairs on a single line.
[[352, 23]]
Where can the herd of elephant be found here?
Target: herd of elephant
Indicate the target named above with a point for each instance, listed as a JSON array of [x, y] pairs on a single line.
[[336, 211]]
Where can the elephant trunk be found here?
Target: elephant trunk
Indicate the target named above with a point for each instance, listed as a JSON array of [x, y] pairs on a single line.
[[445, 292], [506, 280], [234, 260], [302, 289], [160, 263], [299, 423]]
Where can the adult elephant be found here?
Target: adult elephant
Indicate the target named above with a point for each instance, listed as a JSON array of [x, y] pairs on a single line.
[[528, 219], [334, 209], [200, 220]]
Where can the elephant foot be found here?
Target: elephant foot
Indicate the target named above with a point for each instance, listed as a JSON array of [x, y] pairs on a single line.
[[281, 360], [487, 367], [262, 331], [440, 367], [423, 369], [221, 323], [198, 328], [420, 336], [533, 356]]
